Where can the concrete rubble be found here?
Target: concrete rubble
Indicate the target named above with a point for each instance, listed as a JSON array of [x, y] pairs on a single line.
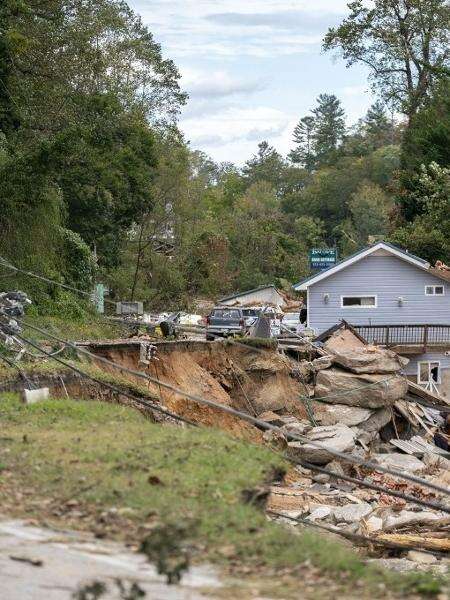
[[350, 398], [353, 391], [346, 396], [335, 437]]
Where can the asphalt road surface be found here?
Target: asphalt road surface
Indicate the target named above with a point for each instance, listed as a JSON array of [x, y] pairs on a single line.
[[42, 564]]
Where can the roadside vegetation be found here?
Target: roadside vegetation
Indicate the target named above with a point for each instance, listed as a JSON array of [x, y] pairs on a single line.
[[88, 326], [107, 469]]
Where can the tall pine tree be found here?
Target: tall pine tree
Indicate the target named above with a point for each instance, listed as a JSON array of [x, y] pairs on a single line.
[[303, 153], [329, 129], [378, 127]]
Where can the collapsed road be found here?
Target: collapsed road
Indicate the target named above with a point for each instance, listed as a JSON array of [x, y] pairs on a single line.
[[342, 398]]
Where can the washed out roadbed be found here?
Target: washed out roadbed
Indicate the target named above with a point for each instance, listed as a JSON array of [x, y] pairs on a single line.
[[104, 468]]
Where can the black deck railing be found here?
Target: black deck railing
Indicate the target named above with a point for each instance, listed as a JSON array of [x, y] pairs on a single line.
[[405, 335]]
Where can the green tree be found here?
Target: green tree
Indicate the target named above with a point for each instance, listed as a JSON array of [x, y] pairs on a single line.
[[428, 235], [266, 165], [369, 208], [403, 42], [303, 137], [379, 129], [427, 140], [329, 128], [82, 83]]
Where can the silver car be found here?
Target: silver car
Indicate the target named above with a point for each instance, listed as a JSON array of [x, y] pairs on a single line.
[[225, 322]]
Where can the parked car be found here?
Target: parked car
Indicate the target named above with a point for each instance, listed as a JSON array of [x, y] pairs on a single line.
[[225, 322]]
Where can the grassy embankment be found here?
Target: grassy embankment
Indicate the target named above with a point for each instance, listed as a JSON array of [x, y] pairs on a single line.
[[107, 469]]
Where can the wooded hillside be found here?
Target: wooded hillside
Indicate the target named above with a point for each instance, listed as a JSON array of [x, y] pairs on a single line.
[[97, 182]]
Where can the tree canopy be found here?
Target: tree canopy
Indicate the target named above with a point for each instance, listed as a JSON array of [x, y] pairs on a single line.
[[405, 44]]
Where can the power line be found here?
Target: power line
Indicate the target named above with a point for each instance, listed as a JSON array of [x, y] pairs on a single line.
[[254, 420], [145, 403], [403, 496], [14, 365], [8, 265]]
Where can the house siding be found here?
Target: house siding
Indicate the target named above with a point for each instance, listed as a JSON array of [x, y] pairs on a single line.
[[411, 369], [388, 278]]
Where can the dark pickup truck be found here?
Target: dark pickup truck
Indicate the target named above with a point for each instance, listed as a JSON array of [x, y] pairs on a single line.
[[225, 322]]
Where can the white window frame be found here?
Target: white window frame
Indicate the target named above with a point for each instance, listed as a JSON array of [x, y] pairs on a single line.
[[434, 290], [359, 296], [429, 362]]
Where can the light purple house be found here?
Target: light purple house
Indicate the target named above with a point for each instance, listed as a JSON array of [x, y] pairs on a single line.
[[393, 299]]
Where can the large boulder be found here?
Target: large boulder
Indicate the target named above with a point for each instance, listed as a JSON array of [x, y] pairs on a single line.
[[399, 462], [366, 391], [377, 420], [334, 414], [366, 419], [369, 359], [339, 438]]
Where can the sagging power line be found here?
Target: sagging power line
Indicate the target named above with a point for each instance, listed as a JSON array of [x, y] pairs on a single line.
[[244, 416]]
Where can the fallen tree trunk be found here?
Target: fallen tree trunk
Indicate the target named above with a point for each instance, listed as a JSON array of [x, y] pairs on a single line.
[[410, 541]]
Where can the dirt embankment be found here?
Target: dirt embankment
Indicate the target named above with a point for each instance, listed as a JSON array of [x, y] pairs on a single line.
[[245, 378]]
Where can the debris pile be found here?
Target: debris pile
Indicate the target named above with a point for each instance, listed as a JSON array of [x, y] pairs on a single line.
[[12, 304], [358, 399]]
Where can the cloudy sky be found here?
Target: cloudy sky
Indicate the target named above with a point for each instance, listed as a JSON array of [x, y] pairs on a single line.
[[252, 68]]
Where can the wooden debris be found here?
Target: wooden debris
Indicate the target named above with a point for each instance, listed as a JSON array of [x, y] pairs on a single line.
[[407, 540]]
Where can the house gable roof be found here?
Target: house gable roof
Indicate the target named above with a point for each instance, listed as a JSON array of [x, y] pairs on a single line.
[[350, 260], [241, 294]]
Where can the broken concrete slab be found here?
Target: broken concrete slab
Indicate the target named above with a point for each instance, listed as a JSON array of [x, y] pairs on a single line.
[[332, 414], [319, 513], [365, 391], [399, 565], [72, 560], [421, 557], [369, 360], [373, 524], [377, 420], [319, 364], [409, 517], [343, 339], [352, 513], [321, 478], [270, 417], [336, 467], [296, 427], [400, 462], [339, 438]]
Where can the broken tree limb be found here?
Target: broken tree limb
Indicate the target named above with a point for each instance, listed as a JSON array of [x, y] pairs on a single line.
[[409, 541]]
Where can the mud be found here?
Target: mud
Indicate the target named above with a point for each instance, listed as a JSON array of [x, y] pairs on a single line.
[[244, 378]]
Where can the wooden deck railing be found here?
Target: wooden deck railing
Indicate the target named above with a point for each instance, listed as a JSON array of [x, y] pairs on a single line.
[[425, 336]]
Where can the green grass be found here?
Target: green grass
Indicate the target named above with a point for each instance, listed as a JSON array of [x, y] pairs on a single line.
[[89, 327], [107, 456]]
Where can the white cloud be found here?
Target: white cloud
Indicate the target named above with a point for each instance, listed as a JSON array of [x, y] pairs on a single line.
[[224, 28], [232, 134], [217, 84], [251, 68], [355, 90]]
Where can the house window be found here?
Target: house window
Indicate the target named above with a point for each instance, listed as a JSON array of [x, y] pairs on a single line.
[[359, 301], [429, 372], [434, 290]]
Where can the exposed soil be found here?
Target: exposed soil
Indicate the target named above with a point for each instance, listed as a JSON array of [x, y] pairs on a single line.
[[245, 378]]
